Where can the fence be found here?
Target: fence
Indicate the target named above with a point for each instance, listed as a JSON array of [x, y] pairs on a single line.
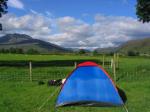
[[40, 70], [58, 69]]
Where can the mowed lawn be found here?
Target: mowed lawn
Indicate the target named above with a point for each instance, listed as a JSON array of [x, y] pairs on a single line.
[[133, 78]]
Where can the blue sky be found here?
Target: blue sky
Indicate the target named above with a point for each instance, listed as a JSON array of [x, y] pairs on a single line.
[[78, 8], [76, 23]]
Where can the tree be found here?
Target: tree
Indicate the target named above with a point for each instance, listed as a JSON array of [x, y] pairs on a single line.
[[3, 9], [32, 51], [19, 51], [12, 50], [95, 52], [132, 53], [82, 51], [143, 10]]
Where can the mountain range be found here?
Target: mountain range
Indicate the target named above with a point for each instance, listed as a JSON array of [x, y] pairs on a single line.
[[140, 46], [25, 42]]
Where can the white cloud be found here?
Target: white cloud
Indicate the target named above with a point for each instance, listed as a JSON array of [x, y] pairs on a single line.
[[106, 31], [114, 30], [16, 4], [49, 14], [33, 11], [27, 24], [75, 31]]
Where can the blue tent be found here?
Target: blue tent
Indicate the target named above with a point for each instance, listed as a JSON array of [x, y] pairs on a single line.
[[89, 85]]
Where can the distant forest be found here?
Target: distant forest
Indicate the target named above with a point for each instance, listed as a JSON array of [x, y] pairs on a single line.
[[18, 51], [80, 52]]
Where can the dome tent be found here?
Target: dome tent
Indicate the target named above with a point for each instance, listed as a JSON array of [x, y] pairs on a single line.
[[89, 85]]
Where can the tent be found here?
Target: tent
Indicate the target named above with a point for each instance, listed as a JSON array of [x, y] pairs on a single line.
[[89, 85]]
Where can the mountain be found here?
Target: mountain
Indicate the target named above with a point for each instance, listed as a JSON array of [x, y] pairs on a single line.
[[142, 46], [26, 42], [139, 46], [107, 50]]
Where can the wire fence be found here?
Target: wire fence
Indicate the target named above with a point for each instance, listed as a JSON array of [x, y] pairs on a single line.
[[40, 70], [22, 74], [26, 77], [59, 69]]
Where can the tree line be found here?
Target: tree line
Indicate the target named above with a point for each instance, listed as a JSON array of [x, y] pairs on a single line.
[[19, 51], [80, 52]]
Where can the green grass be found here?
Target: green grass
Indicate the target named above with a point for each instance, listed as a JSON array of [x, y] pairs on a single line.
[[25, 57], [28, 97], [23, 96], [17, 94]]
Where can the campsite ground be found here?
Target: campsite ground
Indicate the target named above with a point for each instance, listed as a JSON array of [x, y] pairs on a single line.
[[133, 77]]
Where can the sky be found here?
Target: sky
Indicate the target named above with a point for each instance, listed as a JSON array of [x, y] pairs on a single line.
[[76, 23]]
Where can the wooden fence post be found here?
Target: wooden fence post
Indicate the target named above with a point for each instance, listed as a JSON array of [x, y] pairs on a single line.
[[103, 61], [114, 67], [111, 63], [75, 64], [117, 61], [30, 70]]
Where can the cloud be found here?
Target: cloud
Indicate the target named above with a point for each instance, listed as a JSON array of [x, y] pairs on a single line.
[[74, 31], [33, 11], [49, 14], [111, 31], [16, 4], [27, 24], [105, 31]]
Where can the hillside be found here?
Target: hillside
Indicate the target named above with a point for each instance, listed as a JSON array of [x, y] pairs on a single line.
[[108, 50], [141, 46], [26, 42]]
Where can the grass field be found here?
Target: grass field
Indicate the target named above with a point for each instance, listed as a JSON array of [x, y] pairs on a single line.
[[133, 77], [43, 57]]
